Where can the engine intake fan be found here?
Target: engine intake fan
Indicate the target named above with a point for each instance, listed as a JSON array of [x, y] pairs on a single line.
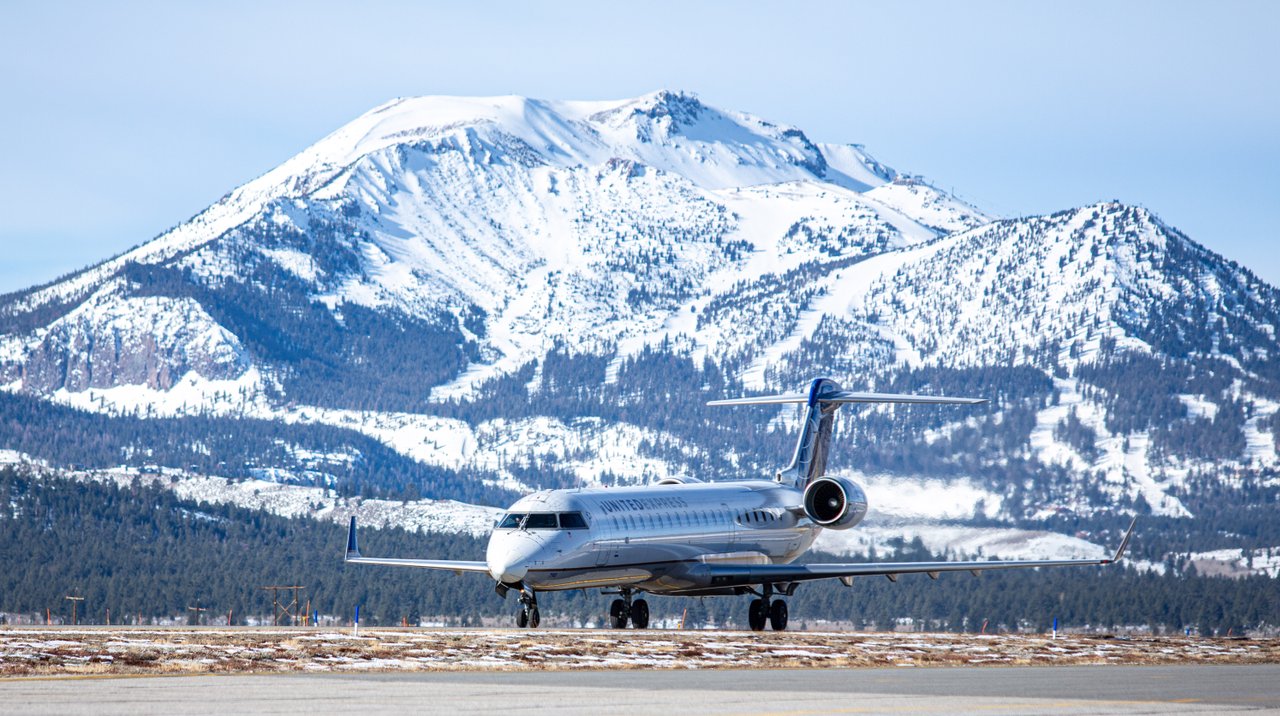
[[835, 503]]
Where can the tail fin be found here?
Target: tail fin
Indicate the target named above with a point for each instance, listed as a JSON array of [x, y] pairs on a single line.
[[824, 398]]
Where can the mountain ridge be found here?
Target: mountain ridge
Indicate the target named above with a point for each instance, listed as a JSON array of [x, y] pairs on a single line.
[[527, 292]]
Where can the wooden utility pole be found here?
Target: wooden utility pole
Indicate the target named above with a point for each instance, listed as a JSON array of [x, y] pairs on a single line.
[[74, 601], [283, 609], [196, 611]]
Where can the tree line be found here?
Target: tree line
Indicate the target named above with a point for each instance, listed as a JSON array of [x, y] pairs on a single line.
[[142, 552]]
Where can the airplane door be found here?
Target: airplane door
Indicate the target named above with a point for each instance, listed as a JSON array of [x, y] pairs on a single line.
[[606, 544], [733, 524]]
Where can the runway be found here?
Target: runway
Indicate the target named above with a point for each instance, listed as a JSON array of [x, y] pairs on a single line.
[[958, 690]]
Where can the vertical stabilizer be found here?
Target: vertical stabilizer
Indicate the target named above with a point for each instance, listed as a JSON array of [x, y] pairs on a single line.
[[809, 461]]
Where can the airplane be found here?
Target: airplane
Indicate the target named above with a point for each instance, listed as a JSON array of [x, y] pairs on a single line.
[[685, 537]]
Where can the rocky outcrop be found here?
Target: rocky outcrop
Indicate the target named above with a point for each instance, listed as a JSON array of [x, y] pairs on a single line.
[[113, 340]]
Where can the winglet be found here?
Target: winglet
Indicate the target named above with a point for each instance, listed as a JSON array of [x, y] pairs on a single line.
[[1124, 543], [353, 551]]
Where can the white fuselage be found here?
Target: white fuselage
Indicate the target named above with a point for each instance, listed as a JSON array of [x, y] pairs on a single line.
[[655, 538]]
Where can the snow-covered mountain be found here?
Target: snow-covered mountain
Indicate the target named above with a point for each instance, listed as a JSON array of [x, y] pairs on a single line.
[[522, 292]]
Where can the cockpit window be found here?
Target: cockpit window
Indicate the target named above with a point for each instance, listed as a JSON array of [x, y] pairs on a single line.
[[543, 521], [572, 521], [510, 522]]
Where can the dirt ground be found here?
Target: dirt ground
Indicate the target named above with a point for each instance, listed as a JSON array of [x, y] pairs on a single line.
[[36, 651]]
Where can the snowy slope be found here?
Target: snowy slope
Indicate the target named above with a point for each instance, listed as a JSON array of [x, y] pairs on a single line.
[[562, 222], [403, 267]]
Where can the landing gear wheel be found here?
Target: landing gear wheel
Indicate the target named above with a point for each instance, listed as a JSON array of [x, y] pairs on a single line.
[[778, 615], [618, 614], [528, 616], [757, 614], [640, 614]]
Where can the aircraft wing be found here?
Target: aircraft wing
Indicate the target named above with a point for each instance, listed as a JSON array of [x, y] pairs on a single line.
[[730, 575], [353, 557]]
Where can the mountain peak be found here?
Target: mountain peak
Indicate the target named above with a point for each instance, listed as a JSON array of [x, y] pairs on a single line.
[[680, 107], [501, 247]]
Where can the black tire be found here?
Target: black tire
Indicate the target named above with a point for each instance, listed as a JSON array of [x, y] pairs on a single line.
[[757, 614], [534, 617], [618, 614], [640, 614], [778, 615], [522, 618]]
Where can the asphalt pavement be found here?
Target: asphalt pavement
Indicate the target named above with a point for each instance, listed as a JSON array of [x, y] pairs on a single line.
[[967, 690]]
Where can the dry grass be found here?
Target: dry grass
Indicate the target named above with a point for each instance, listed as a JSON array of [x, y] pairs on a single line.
[[68, 651]]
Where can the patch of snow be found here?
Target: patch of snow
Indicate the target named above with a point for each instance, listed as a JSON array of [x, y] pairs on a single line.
[[924, 498], [295, 262], [1198, 407], [192, 394], [1237, 562], [297, 501], [587, 449], [960, 541], [1260, 444], [928, 206]]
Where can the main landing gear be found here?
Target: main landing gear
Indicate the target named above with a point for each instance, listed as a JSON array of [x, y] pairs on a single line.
[[528, 615], [620, 610], [767, 609]]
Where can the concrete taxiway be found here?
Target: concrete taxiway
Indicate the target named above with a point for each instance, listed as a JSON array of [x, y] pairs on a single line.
[[964, 690]]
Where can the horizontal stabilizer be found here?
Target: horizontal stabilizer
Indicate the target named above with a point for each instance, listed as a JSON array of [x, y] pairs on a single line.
[[849, 396], [823, 399]]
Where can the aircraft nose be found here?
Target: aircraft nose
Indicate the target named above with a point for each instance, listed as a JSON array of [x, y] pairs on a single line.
[[508, 569], [508, 558]]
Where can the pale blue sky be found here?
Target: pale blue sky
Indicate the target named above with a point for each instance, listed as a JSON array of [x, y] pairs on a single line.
[[121, 120]]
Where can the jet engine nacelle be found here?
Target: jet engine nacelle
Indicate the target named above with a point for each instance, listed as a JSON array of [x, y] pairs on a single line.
[[835, 503]]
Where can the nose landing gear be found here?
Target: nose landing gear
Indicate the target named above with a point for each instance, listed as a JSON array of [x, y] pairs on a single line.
[[624, 609], [528, 615]]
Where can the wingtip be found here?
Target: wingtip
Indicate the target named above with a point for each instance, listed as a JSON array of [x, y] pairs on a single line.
[[353, 550], [1124, 542]]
